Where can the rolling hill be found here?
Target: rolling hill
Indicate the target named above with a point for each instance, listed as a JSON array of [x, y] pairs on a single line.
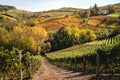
[[65, 9], [52, 20], [6, 7]]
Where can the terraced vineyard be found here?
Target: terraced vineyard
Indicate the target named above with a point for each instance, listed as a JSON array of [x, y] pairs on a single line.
[[83, 57]]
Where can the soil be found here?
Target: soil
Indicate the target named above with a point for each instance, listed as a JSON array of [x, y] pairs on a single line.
[[48, 71]]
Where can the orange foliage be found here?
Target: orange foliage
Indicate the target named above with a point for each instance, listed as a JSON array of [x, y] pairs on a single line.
[[58, 23], [94, 22]]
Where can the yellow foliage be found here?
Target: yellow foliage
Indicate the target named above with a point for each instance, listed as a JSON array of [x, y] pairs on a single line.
[[39, 34], [93, 37], [26, 38], [84, 34]]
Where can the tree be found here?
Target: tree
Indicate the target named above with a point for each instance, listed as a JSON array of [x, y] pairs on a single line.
[[69, 36], [25, 38], [95, 10], [39, 34], [83, 14], [110, 9], [3, 37], [10, 24], [90, 11]]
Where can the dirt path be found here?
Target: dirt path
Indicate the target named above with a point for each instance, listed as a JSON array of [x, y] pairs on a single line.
[[51, 72]]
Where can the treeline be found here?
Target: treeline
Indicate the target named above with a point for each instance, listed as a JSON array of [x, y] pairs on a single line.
[[6, 7], [94, 11], [70, 36], [24, 38]]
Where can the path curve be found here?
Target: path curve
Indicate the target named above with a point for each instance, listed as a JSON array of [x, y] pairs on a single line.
[[50, 72]]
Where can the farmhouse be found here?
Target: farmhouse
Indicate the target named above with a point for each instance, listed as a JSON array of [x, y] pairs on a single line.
[[104, 12]]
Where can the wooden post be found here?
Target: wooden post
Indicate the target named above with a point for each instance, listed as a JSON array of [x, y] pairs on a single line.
[[76, 64], [97, 65], [20, 58], [19, 53], [84, 64], [30, 75]]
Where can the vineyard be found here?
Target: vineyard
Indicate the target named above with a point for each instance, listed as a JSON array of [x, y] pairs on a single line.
[[17, 65], [103, 55], [60, 40]]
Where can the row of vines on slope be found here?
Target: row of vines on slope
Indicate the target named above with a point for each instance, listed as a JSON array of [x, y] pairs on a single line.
[[83, 57], [10, 67]]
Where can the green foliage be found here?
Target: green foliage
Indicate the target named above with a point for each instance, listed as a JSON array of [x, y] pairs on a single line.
[[111, 20], [110, 57], [6, 7], [77, 57], [104, 33], [8, 63], [69, 36], [115, 32], [115, 14], [95, 10], [10, 67], [35, 63]]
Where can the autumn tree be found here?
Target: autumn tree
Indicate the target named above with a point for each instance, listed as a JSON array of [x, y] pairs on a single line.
[[24, 38], [40, 35], [3, 37], [10, 24], [69, 36]]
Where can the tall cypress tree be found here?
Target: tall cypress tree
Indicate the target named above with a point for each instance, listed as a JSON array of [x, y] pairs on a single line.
[[95, 9]]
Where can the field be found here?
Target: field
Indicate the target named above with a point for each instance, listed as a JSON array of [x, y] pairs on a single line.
[[56, 23], [81, 50], [116, 14]]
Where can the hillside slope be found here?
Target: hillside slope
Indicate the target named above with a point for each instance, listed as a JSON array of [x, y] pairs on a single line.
[[6, 7]]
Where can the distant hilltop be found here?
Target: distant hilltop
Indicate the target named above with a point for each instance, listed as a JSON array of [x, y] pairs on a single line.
[[71, 9], [6, 7], [64, 9]]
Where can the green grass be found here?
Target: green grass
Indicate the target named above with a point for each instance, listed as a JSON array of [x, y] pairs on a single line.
[[81, 50], [116, 14], [38, 57], [83, 57]]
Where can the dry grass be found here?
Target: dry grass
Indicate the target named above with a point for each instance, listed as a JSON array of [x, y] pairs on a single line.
[[94, 22]]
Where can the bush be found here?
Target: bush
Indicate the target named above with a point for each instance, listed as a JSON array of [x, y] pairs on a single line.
[[10, 64]]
